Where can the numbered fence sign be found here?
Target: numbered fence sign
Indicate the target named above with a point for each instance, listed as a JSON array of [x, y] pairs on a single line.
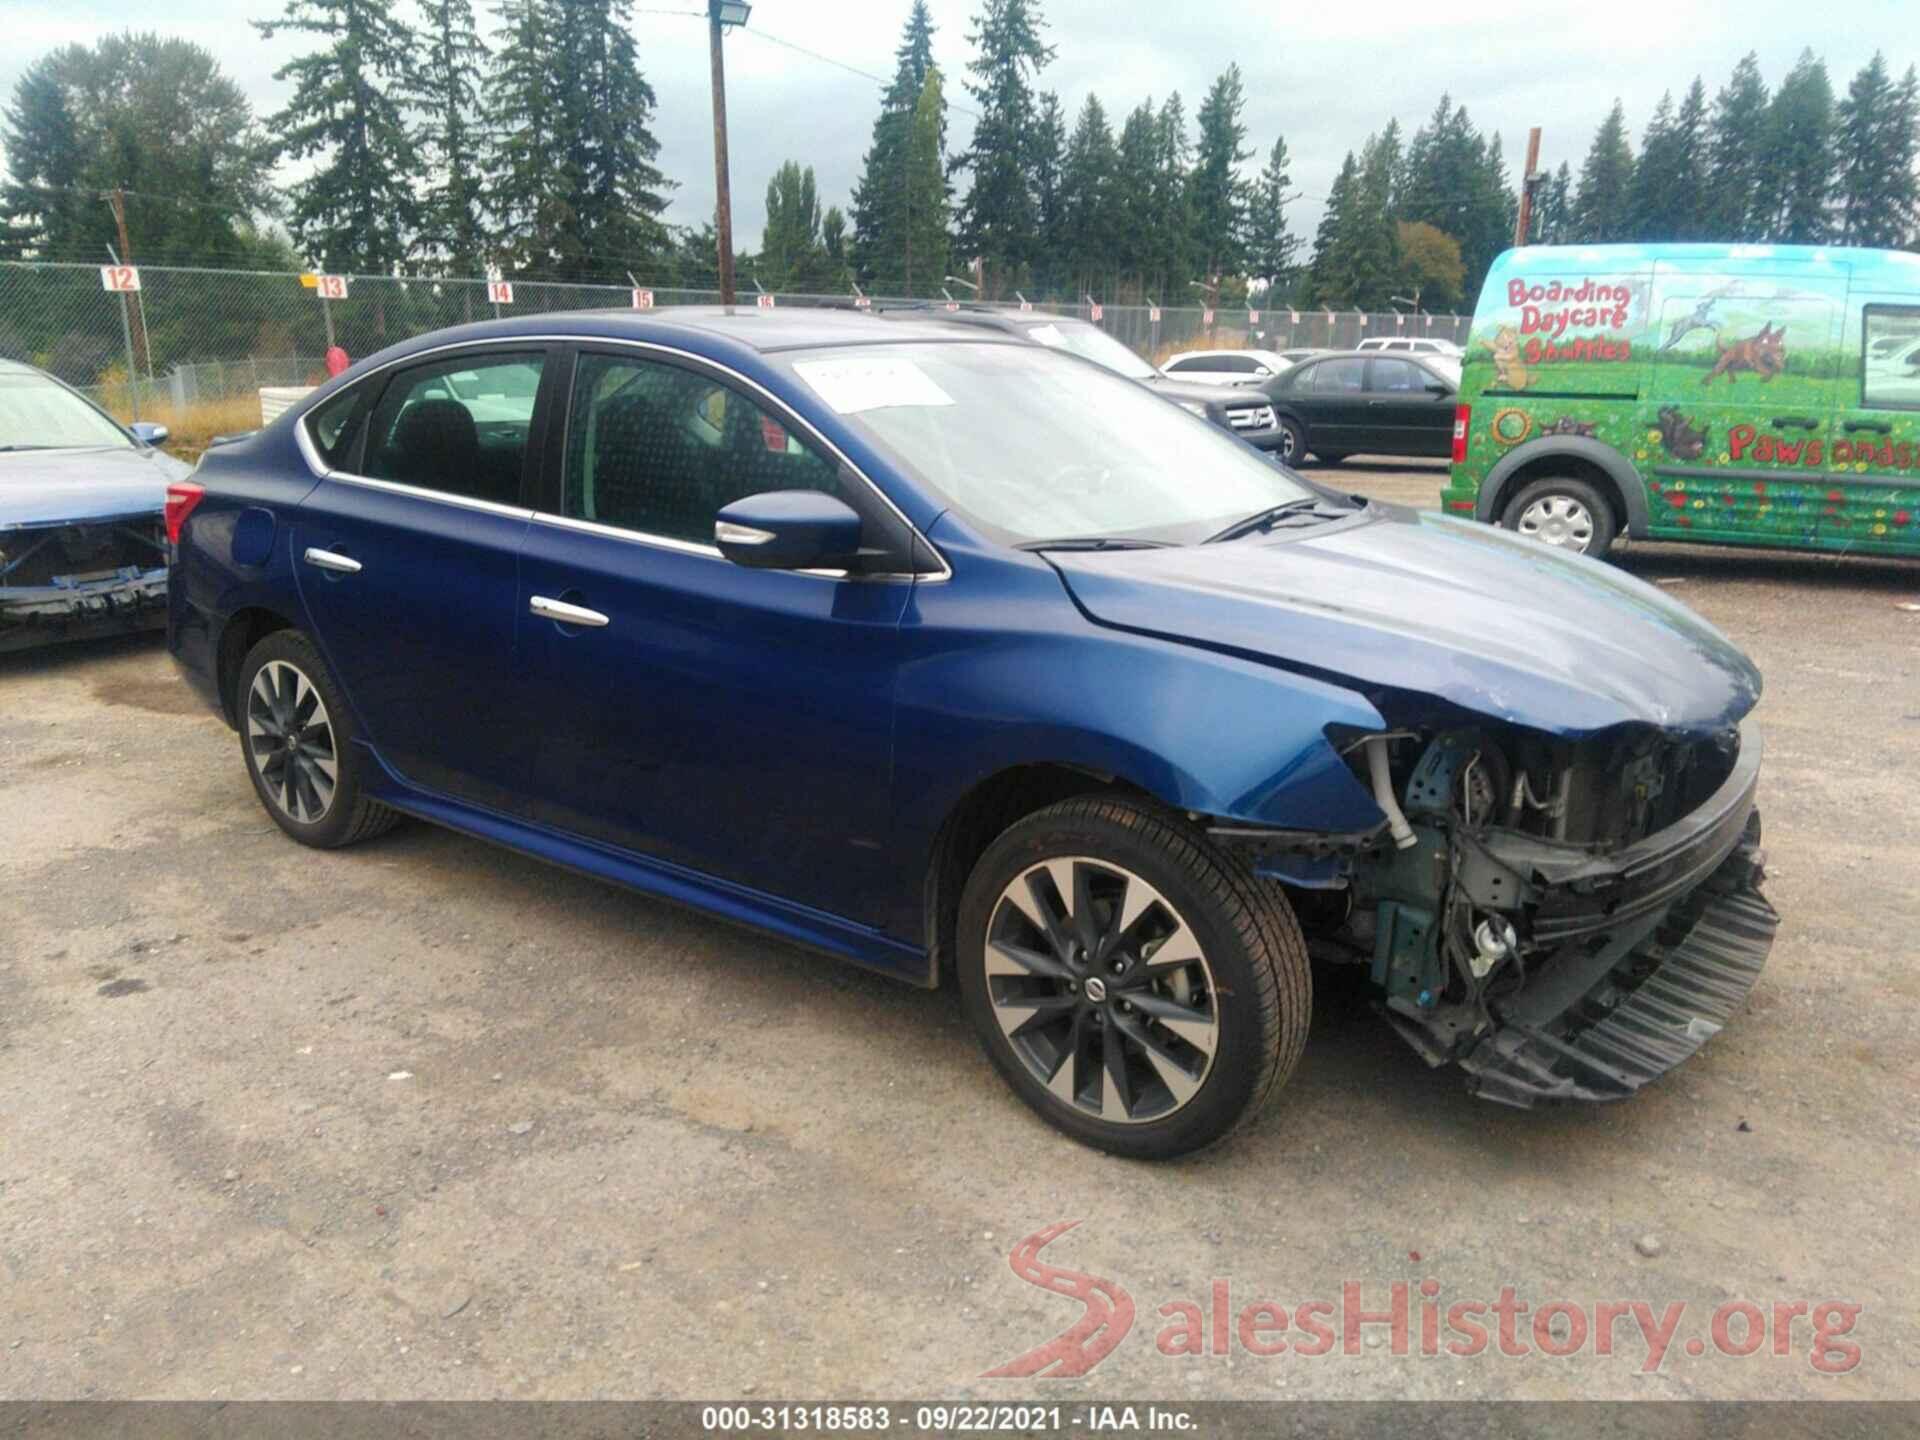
[[951, 306], [765, 302], [121, 278], [861, 302], [1253, 317], [1206, 318], [1026, 305], [330, 287], [1153, 315], [1095, 314], [500, 292], [643, 299]]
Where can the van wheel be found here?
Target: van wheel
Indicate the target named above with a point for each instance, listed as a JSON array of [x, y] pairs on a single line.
[[1563, 512], [1138, 988]]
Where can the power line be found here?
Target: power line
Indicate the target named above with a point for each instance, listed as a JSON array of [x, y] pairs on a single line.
[[840, 64]]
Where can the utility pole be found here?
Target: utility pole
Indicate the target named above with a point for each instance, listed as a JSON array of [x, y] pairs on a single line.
[[118, 200], [1530, 178], [721, 13]]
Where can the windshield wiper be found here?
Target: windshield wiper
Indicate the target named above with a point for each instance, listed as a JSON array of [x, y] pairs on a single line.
[[1266, 519], [1093, 542], [6, 448]]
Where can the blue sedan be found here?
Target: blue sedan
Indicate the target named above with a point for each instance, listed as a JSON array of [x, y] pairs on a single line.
[[952, 655]]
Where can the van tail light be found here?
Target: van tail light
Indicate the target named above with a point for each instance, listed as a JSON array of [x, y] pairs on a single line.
[[184, 495], [1462, 420]]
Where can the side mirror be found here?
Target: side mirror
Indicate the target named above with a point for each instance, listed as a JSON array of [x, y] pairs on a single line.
[[147, 433], [1261, 370], [788, 530]]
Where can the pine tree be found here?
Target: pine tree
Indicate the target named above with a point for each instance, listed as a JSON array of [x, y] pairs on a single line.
[[1655, 176], [1047, 165], [1136, 162], [1603, 205], [1798, 181], [1875, 154], [1369, 240], [998, 218], [357, 210], [451, 74], [879, 194], [526, 194], [609, 149], [1736, 156], [1552, 209], [791, 240], [46, 207], [1327, 280], [1689, 211], [925, 236], [1086, 200], [1170, 223], [1270, 248], [1217, 195]]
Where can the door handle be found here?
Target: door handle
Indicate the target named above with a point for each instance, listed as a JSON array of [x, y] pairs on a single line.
[[328, 560], [565, 614], [1879, 427], [1795, 422]]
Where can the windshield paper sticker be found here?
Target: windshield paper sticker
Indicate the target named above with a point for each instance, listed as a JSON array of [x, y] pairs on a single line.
[[851, 386], [1047, 335]]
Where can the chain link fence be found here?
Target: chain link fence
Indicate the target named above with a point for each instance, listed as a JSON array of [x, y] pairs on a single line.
[[193, 343]]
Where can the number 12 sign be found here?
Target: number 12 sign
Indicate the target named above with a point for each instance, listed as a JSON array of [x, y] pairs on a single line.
[[120, 278]]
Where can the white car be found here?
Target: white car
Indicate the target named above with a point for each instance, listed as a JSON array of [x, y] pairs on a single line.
[[1412, 346], [1226, 367]]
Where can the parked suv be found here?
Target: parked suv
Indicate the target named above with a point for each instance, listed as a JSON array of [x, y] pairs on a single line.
[[1407, 345], [1739, 394], [1249, 415], [942, 651]]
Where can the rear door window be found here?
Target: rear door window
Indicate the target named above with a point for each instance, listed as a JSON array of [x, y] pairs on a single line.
[[460, 427], [1397, 377], [1339, 377], [1890, 376]]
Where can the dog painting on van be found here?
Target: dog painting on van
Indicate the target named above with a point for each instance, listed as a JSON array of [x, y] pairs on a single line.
[[1765, 354]]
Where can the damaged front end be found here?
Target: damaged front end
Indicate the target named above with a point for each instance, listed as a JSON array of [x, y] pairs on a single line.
[[1565, 919], [80, 581]]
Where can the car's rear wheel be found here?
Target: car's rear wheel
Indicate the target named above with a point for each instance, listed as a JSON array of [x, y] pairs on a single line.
[[296, 737], [1566, 513], [1138, 988], [1331, 457]]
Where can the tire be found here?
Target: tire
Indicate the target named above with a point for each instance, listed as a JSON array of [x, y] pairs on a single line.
[[1561, 511], [285, 688], [1331, 457], [1292, 449], [1047, 1006]]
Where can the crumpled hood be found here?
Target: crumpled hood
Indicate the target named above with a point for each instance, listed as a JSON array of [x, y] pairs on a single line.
[[64, 487], [1402, 600]]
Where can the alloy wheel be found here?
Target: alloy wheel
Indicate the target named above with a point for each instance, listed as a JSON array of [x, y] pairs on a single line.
[[290, 738], [1558, 520], [1102, 989]]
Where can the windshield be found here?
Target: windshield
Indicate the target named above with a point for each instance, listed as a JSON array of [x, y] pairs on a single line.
[[1094, 345], [1035, 446], [38, 414]]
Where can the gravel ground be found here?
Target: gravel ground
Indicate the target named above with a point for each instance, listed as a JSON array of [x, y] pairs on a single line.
[[428, 1119]]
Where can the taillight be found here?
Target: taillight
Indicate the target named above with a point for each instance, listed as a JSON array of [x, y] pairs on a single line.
[[184, 495], [1462, 418]]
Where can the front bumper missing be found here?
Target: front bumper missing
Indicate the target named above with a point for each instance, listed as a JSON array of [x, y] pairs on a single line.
[[131, 599], [1669, 994]]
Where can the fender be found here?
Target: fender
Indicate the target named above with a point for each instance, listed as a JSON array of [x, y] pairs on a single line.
[[1626, 479]]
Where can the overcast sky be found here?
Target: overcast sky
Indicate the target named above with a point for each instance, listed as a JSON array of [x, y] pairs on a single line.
[[1324, 75]]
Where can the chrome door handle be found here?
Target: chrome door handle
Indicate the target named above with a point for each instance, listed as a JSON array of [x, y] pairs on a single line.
[[565, 614], [328, 560]]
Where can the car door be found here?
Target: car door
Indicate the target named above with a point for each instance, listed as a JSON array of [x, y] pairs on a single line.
[[1333, 396], [1875, 455], [1409, 409], [737, 721], [406, 560]]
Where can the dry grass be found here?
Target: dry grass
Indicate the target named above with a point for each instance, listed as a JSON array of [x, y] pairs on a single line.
[[191, 429]]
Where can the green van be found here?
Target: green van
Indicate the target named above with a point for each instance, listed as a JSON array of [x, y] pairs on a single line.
[[1744, 394]]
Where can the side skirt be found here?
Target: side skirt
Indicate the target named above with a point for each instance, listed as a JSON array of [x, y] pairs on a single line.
[[663, 880]]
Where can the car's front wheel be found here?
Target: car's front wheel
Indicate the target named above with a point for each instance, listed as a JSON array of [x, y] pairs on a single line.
[[1292, 448], [1137, 987], [296, 736]]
